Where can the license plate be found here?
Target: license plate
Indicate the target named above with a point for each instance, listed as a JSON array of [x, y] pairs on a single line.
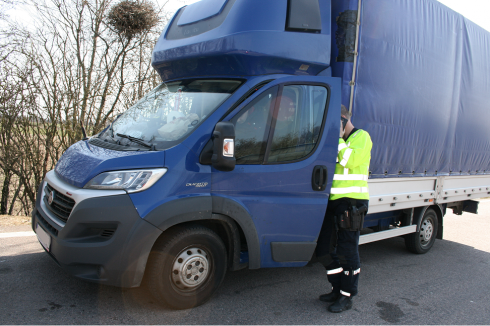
[[43, 237]]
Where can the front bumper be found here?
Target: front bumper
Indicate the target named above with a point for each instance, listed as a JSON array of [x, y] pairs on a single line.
[[104, 239]]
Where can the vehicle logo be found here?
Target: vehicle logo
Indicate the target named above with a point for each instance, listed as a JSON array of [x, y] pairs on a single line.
[[51, 197], [197, 185]]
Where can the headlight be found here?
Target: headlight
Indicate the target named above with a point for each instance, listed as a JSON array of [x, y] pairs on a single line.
[[131, 180]]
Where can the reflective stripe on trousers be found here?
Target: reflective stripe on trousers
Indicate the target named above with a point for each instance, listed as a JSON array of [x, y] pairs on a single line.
[[335, 271]]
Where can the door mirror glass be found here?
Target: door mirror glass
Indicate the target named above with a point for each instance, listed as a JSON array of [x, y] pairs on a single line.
[[297, 122]]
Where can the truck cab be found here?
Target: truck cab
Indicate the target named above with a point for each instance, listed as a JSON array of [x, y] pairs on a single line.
[[150, 174]]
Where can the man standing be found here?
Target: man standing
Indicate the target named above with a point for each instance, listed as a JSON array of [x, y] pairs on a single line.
[[338, 242]]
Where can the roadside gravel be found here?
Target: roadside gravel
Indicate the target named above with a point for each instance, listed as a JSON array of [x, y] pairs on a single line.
[[9, 220]]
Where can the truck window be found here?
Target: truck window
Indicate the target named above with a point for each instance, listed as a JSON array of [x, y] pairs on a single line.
[[297, 122], [252, 128], [170, 112]]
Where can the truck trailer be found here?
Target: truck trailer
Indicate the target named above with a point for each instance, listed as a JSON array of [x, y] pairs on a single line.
[[228, 163]]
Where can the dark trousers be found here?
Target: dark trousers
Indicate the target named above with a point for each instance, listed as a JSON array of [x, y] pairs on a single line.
[[338, 250]]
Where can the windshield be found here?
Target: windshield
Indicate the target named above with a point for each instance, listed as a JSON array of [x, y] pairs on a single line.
[[168, 113]]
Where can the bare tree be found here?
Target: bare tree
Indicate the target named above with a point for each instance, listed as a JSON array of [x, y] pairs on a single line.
[[4, 6], [86, 61]]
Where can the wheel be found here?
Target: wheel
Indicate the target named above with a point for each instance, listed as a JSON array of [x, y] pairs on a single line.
[[186, 266], [421, 241]]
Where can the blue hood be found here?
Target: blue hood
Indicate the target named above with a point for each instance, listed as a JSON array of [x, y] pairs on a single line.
[[83, 161]]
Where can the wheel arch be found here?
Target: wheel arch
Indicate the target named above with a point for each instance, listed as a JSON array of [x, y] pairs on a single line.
[[223, 215], [440, 211]]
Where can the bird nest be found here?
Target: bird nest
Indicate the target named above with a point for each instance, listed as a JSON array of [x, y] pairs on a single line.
[[130, 17]]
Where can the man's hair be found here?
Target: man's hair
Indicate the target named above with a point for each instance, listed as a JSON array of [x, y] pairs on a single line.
[[345, 112]]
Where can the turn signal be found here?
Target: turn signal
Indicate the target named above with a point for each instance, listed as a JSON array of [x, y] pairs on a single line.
[[228, 147]]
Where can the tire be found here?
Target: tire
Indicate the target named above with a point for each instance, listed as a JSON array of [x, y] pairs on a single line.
[[186, 266], [421, 241]]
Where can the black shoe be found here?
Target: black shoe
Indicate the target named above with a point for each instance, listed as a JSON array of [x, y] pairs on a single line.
[[343, 303], [329, 297]]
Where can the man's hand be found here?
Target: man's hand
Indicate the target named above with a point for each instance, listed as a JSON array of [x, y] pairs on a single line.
[[341, 130]]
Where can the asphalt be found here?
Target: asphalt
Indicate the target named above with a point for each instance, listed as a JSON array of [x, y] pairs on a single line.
[[448, 285]]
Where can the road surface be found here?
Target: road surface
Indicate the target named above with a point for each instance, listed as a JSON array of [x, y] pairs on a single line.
[[448, 285]]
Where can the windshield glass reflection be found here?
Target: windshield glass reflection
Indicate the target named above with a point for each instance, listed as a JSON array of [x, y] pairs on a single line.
[[170, 112]]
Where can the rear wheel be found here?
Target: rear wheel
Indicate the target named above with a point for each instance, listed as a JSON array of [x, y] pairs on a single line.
[[186, 267], [421, 241]]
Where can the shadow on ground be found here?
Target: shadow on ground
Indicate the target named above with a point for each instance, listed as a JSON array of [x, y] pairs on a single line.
[[396, 287]]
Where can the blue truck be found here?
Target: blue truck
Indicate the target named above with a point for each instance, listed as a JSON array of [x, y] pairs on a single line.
[[228, 164]]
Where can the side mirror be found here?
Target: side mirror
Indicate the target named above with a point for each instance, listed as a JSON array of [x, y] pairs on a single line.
[[223, 158]]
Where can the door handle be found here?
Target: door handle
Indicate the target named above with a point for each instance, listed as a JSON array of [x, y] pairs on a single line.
[[319, 178]]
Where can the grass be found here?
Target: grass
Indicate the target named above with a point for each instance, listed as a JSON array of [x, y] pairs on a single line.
[[9, 220]]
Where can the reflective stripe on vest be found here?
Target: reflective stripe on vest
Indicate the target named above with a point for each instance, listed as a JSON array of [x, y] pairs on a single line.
[[350, 177], [347, 190], [346, 156], [355, 134]]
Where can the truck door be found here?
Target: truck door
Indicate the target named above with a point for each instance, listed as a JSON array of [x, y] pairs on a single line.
[[285, 147]]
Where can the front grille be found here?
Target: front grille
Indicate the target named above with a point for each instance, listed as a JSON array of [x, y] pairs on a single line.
[[47, 226], [61, 205]]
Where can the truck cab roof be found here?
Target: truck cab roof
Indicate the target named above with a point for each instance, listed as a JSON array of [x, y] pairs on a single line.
[[245, 37]]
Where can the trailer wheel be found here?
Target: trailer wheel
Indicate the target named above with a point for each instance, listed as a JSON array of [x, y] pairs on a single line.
[[186, 267], [421, 241]]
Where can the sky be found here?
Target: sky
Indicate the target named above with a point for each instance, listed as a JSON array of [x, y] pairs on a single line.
[[477, 11]]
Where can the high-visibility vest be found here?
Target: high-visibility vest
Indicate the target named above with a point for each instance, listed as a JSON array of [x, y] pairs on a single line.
[[352, 169]]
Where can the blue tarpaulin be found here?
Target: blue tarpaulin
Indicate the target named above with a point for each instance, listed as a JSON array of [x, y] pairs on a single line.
[[422, 76], [422, 87]]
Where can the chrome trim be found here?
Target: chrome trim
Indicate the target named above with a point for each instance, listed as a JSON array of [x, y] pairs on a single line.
[[47, 211]]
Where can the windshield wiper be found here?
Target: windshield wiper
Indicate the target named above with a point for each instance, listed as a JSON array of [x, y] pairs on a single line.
[[111, 130], [135, 140], [110, 126]]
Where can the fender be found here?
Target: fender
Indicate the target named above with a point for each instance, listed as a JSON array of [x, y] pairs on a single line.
[[231, 208], [200, 208], [419, 212]]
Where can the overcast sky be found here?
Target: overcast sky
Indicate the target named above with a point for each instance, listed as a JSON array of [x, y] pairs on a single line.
[[477, 11]]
